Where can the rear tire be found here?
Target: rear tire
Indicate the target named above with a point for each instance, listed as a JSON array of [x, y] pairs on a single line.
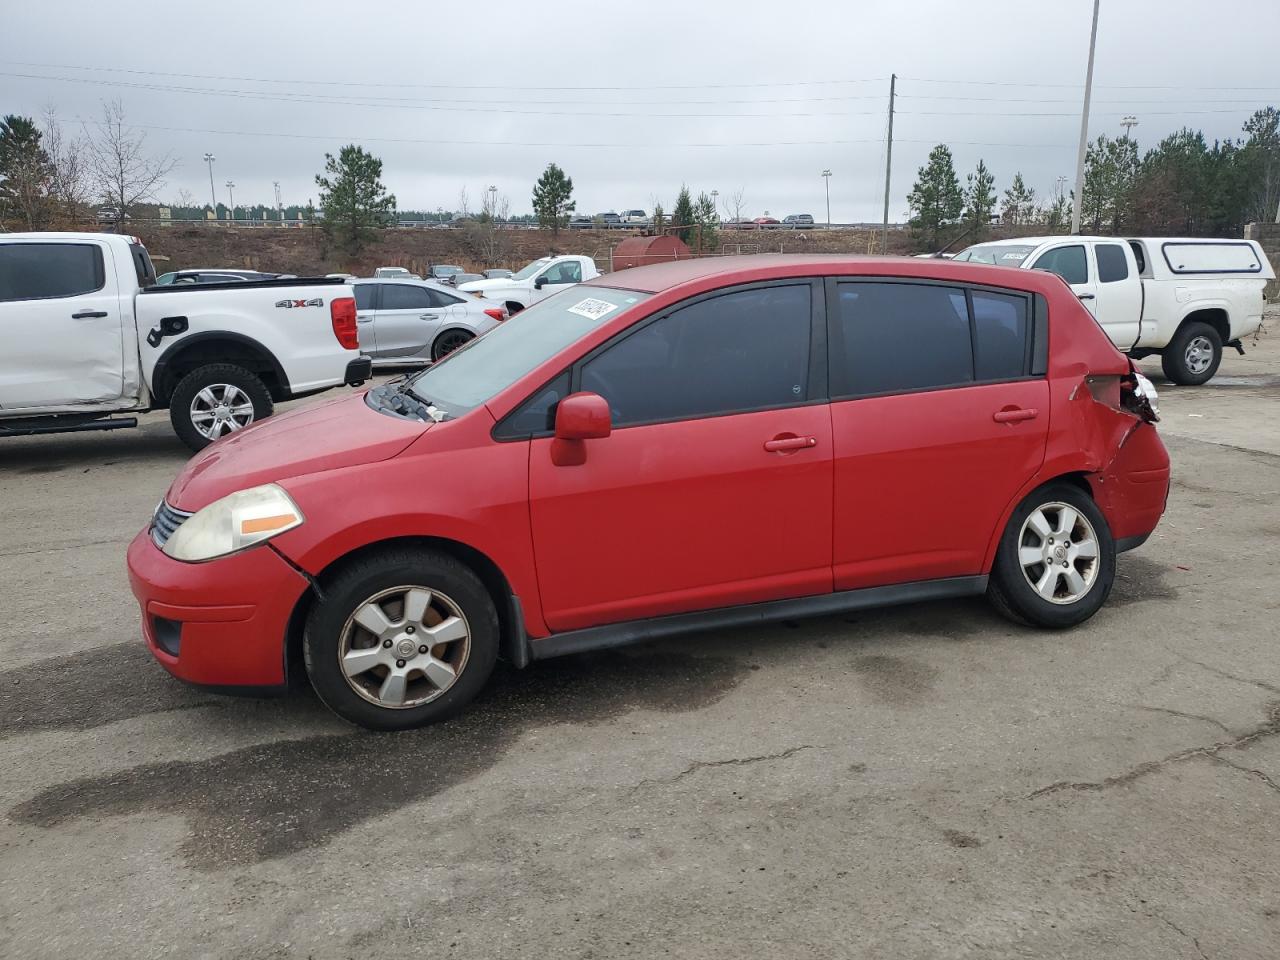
[[381, 659], [215, 400], [448, 342], [1056, 562], [1193, 355]]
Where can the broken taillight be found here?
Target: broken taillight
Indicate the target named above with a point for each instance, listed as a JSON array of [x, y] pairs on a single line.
[[1138, 396]]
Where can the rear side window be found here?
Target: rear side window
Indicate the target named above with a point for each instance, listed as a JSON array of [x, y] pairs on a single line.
[[897, 337], [1112, 263], [365, 295], [999, 335], [142, 266], [745, 350], [401, 296], [441, 299], [43, 271], [1067, 262]]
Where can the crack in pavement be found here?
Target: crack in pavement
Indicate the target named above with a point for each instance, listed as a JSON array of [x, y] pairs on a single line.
[[1261, 684], [1170, 923], [1252, 771], [730, 762], [1268, 728], [1176, 713]]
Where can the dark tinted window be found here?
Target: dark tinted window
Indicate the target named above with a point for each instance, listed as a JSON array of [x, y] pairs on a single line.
[[1112, 265], [142, 265], [900, 336], [365, 295], [36, 271], [1000, 335], [401, 296], [441, 299], [1139, 255], [538, 413], [739, 351], [1067, 262]]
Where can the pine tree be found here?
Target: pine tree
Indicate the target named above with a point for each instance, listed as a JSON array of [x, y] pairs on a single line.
[[25, 173], [704, 214], [1019, 203], [979, 200], [553, 199], [936, 201], [354, 201], [682, 214]]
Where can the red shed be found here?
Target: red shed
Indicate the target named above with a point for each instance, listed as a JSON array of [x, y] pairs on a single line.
[[638, 251]]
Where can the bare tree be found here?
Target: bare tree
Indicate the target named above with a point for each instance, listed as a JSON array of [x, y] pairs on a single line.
[[734, 203], [485, 237], [184, 197], [122, 173], [464, 204], [69, 181]]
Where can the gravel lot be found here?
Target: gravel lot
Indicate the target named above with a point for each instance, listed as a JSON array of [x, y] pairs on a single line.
[[928, 781]]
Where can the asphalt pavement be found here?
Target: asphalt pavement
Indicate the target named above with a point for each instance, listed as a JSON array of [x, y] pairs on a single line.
[[922, 782]]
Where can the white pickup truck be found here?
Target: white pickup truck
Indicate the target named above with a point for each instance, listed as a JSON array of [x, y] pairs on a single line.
[[1183, 299], [84, 335], [536, 281]]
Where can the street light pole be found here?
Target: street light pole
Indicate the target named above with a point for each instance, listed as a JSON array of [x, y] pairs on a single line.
[[213, 197], [1078, 200], [231, 186], [826, 182], [279, 206], [715, 202]]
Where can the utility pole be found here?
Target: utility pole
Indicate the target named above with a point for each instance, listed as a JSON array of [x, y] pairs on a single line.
[[888, 166], [213, 197], [1078, 200], [826, 181]]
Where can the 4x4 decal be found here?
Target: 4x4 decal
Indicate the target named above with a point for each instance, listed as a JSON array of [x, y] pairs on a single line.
[[313, 302]]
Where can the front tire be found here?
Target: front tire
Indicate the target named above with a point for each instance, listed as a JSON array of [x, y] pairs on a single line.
[[214, 400], [1193, 355], [1056, 562], [402, 638]]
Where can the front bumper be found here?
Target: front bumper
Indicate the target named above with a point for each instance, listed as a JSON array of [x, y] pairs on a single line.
[[358, 371], [222, 623]]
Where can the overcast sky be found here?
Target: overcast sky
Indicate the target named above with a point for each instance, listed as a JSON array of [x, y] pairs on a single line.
[[633, 99]]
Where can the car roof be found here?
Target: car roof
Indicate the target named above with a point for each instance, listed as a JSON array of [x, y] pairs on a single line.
[[658, 277]]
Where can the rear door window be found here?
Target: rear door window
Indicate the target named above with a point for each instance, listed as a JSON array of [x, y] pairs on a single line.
[[1000, 335], [899, 337], [1069, 263], [44, 271], [1113, 265], [441, 299], [739, 351], [366, 296], [402, 296]]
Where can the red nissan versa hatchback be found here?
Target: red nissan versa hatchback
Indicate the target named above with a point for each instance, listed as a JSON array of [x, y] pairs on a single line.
[[697, 444]]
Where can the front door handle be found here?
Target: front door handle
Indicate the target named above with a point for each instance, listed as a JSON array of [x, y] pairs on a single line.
[[1084, 296], [1015, 414], [89, 315], [787, 442]]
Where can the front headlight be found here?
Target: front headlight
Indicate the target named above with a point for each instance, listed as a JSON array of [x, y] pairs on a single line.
[[244, 519]]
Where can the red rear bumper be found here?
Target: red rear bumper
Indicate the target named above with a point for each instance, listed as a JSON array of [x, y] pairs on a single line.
[[220, 623], [1133, 490]]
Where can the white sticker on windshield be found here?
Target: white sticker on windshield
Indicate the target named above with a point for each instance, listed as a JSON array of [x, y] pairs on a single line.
[[592, 309]]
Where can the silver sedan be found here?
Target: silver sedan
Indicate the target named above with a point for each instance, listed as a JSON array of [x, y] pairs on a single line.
[[418, 321]]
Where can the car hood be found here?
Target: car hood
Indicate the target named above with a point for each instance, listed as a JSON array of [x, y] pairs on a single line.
[[484, 286], [342, 432]]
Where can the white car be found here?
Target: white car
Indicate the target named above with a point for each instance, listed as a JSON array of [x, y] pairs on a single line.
[[535, 282], [635, 217], [1181, 298], [86, 335], [418, 321]]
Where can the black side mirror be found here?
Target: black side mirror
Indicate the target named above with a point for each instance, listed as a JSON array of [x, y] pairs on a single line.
[[540, 283]]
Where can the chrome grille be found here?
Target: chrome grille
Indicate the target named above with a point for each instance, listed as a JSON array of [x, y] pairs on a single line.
[[165, 521]]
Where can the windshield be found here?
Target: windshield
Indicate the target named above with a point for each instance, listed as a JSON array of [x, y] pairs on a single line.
[[1000, 254], [486, 366], [528, 271]]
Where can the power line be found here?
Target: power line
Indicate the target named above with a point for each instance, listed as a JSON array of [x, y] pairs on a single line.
[[1077, 86]]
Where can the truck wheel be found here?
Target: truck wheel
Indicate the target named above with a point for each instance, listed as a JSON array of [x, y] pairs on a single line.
[[214, 400], [1056, 562], [401, 638], [1193, 355]]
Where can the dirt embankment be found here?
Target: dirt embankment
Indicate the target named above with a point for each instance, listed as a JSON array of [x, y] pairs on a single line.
[[306, 252]]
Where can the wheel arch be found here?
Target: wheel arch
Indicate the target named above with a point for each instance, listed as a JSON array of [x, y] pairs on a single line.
[[513, 641], [200, 349], [1215, 316], [1076, 475]]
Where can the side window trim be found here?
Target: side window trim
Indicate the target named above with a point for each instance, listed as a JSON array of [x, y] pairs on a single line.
[[817, 346], [1035, 351]]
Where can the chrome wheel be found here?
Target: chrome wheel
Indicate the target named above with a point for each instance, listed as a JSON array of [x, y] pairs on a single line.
[[219, 409], [1198, 355], [1058, 552], [404, 647]]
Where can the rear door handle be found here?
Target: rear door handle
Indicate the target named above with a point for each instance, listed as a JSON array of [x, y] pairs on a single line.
[[1084, 296], [428, 316], [1013, 416], [89, 315], [786, 442]]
